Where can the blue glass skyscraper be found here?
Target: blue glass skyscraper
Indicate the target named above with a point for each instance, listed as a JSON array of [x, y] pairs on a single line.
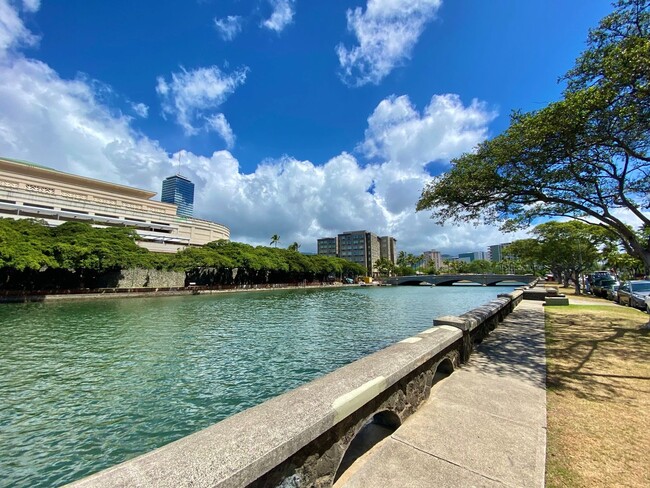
[[180, 191]]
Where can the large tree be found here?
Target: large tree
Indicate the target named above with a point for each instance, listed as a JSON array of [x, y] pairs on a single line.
[[585, 157], [569, 249], [528, 255]]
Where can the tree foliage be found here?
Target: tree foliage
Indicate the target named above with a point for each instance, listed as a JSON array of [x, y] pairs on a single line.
[[75, 254], [480, 266], [224, 262], [385, 267], [584, 157], [568, 249], [529, 255], [30, 245], [408, 260], [33, 255], [24, 244]]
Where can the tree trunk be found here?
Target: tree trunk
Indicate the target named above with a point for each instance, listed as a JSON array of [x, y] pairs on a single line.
[[565, 279]]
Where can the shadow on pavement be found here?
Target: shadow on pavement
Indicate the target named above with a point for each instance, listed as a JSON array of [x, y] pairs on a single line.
[[509, 353]]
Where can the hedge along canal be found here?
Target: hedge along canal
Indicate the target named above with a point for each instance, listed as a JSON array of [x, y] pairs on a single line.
[[86, 385]]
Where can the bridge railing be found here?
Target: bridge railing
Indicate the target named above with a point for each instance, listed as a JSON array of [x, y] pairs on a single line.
[[448, 279], [300, 438]]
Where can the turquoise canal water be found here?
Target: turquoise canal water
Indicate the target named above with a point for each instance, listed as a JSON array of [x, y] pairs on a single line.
[[86, 385]]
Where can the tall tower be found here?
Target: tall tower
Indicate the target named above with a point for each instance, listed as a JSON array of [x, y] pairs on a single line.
[[180, 191]]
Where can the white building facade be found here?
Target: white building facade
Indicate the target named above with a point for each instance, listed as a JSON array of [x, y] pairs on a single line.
[[32, 191]]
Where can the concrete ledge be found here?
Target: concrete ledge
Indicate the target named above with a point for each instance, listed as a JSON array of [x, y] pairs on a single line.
[[486, 311], [469, 321], [515, 298], [540, 293], [452, 321], [556, 301]]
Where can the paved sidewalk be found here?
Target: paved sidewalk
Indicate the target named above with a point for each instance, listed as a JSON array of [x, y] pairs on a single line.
[[483, 426]]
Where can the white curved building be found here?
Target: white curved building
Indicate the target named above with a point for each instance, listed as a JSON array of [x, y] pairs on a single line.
[[31, 191]]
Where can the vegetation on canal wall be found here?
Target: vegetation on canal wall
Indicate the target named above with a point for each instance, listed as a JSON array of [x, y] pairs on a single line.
[[75, 255]]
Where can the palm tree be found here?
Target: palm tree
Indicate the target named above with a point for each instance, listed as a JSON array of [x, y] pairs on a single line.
[[411, 260], [274, 240], [294, 247]]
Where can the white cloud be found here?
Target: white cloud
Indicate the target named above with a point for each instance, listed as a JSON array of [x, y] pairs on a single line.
[[67, 124], [140, 109], [220, 125], [61, 123], [13, 32], [32, 5], [282, 16], [191, 96], [445, 129], [386, 33], [301, 201], [228, 27]]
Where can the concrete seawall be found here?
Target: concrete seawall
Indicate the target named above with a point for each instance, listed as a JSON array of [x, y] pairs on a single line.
[[301, 438], [152, 292]]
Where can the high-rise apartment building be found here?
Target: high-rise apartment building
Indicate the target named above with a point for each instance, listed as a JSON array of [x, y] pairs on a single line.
[[472, 256], [495, 252], [388, 248], [432, 258], [328, 246], [180, 191], [361, 247]]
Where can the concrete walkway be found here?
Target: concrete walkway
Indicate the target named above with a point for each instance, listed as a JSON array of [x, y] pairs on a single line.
[[485, 425]]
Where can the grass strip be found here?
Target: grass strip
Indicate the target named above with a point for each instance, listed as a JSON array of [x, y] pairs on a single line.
[[598, 394]]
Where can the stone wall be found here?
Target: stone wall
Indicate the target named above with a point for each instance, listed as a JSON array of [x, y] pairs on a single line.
[[142, 278], [317, 463], [300, 438]]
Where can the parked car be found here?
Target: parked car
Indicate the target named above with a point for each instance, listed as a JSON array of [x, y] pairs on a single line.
[[600, 285], [612, 293], [594, 276], [634, 293], [601, 274]]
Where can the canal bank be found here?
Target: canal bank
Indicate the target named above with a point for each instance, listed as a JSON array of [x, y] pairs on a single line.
[[485, 425], [302, 438], [153, 290], [113, 293], [89, 384]]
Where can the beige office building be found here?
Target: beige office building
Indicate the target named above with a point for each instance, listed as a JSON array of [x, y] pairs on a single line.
[[388, 248], [31, 191], [432, 258]]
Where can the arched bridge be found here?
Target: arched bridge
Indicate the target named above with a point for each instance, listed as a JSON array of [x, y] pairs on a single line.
[[450, 279]]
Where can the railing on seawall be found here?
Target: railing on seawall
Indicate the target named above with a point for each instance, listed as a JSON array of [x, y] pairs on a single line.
[[300, 438]]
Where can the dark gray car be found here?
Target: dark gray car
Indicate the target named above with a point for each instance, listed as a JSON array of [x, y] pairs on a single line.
[[633, 293], [601, 285]]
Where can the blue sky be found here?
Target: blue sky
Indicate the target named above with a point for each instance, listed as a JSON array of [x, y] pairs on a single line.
[[298, 118]]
